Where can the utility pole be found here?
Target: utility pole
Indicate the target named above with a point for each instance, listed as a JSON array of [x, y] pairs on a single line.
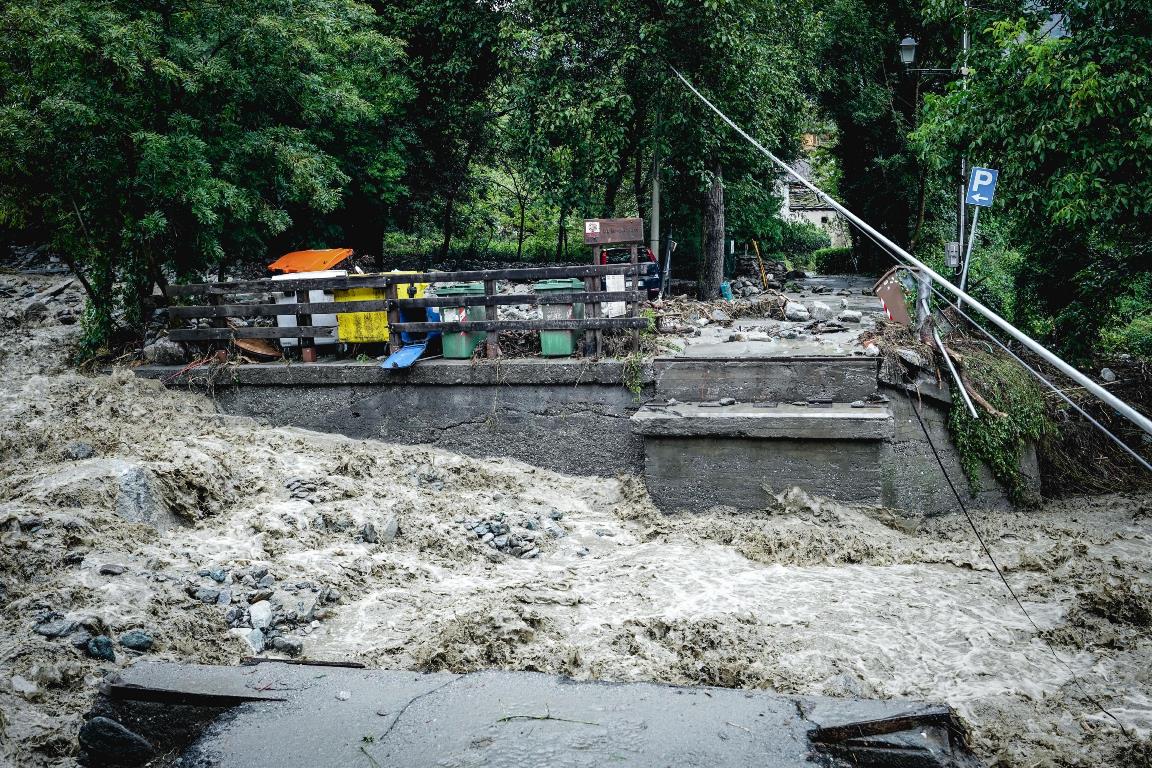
[[654, 219]]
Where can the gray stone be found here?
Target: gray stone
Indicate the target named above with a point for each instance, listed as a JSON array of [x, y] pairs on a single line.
[[24, 687], [912, 357], [556, 514], [390, 529], [234, 616], [266, 581], [217, 575], [720, 316], [796, 312], [224, 598], [260, 614], [137, 640], [1108, 375], [78, 450], [57, 628], [165, 352], [293, 646], [254, 638], [258, 571], [107, 742], [100, 647], [554, 530], [112, 569], [487, 537], [727, 401], [206, 595], [820, 311], [850, 316], [368, 533]]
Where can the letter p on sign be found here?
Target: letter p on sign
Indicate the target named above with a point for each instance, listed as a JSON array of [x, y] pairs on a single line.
[[982, 186]]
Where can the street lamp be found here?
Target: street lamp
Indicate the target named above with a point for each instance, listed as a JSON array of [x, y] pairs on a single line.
[[907, 50]]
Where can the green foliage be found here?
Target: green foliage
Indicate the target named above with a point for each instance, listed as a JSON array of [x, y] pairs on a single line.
[[831, 261], [1131, 329], [998, 440], [874, 104], [1068, 121], [795, 242], [142, 137]]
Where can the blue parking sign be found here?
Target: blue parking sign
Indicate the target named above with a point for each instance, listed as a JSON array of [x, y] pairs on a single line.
[[982, 186]]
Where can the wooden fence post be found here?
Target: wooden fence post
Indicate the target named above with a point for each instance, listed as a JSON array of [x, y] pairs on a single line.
[[491, 312]]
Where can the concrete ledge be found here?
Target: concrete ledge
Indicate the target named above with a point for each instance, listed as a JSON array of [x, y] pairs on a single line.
[[840, 379], [835, 422], [429, 372]]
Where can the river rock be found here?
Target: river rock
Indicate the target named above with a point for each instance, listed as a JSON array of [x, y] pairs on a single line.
[[293, 646], [100, 647], [850, 316], [819, 311], [57, 628], [165, 352], [796, 312], [253, 637], [368, 533], [78, 451], [137, 640], [107, 742], [260, 614], [390, 529]]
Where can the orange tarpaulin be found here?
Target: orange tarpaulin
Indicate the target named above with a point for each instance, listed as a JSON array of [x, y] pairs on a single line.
[[310, 261]]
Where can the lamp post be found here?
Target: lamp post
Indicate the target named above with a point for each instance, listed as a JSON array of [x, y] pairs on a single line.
[[907, 51]]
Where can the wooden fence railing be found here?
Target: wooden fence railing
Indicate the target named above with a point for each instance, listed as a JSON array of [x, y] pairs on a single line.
[[592, 297]]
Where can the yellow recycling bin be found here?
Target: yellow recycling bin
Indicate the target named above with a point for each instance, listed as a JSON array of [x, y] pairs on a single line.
[[366, 327]]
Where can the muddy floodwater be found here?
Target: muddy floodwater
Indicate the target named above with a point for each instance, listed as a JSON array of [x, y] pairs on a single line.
[[126, 507]]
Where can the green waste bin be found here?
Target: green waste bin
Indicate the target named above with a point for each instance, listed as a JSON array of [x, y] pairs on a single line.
[[559, 343], [460, 346]]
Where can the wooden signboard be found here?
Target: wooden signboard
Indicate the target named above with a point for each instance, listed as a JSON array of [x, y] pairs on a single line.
[[609, 231]]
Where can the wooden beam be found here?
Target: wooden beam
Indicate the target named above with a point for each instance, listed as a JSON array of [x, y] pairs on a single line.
[[381, 305], [224, 334], [524, 325], [385, 279], [271, 310]]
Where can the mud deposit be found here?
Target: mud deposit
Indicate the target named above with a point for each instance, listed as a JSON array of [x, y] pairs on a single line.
[[127, 507]]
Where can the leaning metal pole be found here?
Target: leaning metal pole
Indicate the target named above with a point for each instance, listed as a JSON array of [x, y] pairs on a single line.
[[1052, 358]]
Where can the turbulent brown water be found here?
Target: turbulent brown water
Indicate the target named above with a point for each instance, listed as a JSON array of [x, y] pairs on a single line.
[[806, 597]]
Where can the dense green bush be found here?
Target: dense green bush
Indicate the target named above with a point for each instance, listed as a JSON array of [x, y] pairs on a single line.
[[831, 261], [795, 242]]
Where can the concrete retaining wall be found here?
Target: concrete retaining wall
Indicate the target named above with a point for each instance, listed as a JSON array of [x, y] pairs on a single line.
[[561, 415]]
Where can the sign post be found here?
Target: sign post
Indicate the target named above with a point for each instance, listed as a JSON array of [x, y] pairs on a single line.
[[981, 190]]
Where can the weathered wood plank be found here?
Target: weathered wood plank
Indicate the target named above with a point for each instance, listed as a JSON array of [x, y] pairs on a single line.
[[381, 305], [223, 334], [524, 325], [271, 310], [386, 279]]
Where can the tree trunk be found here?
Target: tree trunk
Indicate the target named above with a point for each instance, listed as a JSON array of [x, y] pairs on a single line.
[[560, 234], [520, 231], [712, 270]]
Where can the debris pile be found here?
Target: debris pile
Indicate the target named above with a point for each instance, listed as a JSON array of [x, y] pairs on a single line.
[[139, 521]]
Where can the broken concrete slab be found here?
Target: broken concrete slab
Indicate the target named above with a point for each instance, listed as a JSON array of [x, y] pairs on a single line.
[[290, 715]]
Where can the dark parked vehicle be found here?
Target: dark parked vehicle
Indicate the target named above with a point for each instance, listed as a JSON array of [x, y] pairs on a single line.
[[649, 277]]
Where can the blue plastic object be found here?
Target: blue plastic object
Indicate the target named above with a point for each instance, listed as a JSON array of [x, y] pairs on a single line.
[[405, 356], [726, 290], [412, 350]]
